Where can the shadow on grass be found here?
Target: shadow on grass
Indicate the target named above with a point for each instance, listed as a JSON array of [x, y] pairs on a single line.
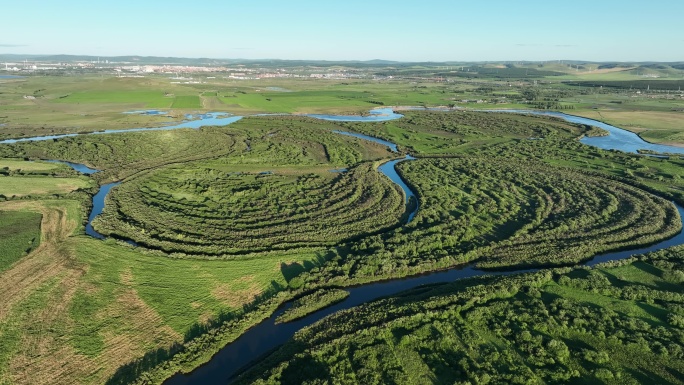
[[132, 371]]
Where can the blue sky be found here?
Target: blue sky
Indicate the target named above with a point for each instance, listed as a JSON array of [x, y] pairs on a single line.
[[427, 30]]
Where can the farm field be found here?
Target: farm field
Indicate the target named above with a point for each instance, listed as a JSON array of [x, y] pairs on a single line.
[[23, 186], [18, 165], [84, 104]]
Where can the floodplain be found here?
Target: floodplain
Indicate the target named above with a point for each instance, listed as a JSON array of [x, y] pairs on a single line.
[[213, 229]]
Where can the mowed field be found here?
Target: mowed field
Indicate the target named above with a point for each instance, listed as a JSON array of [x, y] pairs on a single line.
[[22, 165], [76, 309], [22, 186], [653, 126]]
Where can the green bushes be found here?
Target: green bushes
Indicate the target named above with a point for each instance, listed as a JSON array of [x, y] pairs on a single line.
[[311, 303], [208, 212], [502, 211], [617, 324]]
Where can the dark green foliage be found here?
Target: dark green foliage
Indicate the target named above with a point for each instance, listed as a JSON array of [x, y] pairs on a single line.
[[445, 133], [617, 324], [19, 234], [653, 85], [313, 302]]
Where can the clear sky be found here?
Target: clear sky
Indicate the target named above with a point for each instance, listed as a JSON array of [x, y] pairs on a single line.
[[427, 30]]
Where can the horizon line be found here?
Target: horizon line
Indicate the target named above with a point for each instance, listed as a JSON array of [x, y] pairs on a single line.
[[347, 60]]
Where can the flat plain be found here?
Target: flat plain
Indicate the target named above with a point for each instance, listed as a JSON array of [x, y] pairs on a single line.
[[497, 190]]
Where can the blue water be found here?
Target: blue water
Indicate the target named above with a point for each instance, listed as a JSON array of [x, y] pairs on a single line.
[[618, 139], [98, 206], [389, 169], [376, 115], [82, 168], [391, 145], [147, 112], [11, 77], [208, 119]]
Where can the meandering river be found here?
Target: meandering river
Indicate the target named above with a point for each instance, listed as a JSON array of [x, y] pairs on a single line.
[[268, 335], [617, 139]]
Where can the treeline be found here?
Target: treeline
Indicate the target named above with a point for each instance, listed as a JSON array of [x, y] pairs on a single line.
[[653, 85]]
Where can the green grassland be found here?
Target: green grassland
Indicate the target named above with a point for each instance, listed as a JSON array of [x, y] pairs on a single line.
[[20, 233], [203, 291], [186, 102], [223, 242], [94, 306], [22, 186], [22, 165], [495, 197], [75, 104], [616, 324], [251, 145], [148, 99]]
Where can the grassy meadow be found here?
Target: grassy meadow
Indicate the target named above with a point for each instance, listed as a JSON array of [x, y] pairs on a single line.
[[22, 165], [24, 186], [96, 306], [48, 105], [20, 233]]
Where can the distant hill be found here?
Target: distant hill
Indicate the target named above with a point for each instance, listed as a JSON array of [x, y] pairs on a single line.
[[275, 63]]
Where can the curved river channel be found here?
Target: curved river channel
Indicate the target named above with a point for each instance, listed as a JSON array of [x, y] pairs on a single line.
[[266, 336]]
